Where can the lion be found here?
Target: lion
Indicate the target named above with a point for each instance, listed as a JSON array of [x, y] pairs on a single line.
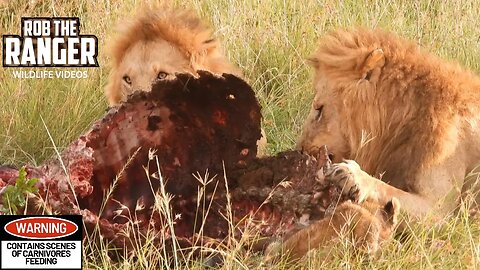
[[403, 114], [157, 44], [367, 226]]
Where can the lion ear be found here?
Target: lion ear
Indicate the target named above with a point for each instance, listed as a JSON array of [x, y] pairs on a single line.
[[313, 61], [392, 210], [211, 46], [203, 54], [210, 57], [372, 65]]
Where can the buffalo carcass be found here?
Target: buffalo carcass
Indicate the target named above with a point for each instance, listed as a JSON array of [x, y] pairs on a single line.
[[201, 132]]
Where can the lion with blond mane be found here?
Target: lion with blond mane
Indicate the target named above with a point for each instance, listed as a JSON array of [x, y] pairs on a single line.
[[156, 45], [404, 115]]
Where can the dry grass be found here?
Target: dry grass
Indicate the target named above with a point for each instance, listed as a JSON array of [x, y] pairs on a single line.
[[270, 40]]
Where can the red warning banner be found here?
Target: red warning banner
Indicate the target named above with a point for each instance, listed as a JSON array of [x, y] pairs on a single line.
[[41, 242]]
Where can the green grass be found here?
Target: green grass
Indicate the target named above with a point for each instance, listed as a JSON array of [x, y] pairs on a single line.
[[270, 40]]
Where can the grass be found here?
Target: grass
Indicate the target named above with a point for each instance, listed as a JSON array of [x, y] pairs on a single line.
[[270, 40]]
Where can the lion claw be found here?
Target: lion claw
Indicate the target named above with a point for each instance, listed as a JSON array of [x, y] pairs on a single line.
[[343, 176], [354, 194]]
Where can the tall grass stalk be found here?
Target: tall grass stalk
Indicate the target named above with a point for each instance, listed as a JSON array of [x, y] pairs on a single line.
[[271, 41]]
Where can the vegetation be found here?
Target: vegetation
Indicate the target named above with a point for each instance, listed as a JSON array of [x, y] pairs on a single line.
[[271, 41], [14, 198]]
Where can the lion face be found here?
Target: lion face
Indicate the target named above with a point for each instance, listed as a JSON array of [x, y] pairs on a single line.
[[344, 77], [147, 62], [322, 126], [155, 45]]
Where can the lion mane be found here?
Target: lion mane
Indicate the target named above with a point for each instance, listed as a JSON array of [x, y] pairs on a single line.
[[400, 105], [182, 29]]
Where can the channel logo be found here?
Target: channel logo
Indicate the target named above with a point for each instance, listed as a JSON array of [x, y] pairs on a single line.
[[50, 42]]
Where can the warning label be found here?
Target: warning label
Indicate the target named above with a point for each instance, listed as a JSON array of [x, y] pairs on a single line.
[[41, 242]]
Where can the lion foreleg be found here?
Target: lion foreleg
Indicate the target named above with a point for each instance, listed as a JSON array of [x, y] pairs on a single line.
[[360, 186]]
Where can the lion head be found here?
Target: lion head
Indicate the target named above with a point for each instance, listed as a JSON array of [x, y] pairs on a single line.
[[383, 101], [341, 65], [156, 45], [322, 126]]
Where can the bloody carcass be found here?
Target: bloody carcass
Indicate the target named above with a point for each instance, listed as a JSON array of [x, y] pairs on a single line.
[[189, 144]]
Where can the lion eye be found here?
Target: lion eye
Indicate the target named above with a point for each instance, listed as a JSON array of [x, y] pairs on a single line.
[[127, 79], [319, 112], [162, 75]]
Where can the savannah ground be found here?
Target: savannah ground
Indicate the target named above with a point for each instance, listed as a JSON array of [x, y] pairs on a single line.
[[270, 40]]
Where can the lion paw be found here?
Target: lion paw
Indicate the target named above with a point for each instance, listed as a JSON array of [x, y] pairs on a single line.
[[348, 176]]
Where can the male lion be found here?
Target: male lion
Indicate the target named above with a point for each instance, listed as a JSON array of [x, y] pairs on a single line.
[[158, 44], [401, 113], [366, 225]]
